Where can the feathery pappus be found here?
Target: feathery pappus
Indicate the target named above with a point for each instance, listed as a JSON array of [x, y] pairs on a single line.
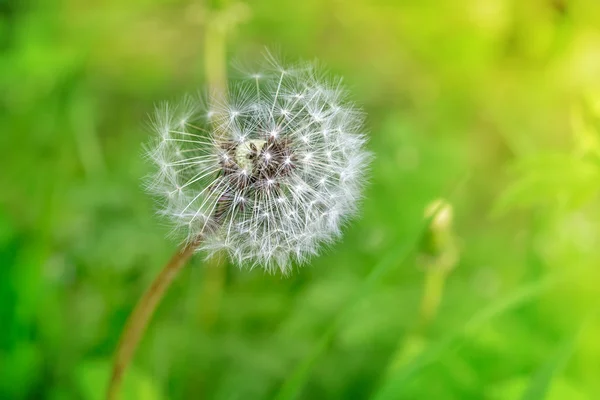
[[267, 173]]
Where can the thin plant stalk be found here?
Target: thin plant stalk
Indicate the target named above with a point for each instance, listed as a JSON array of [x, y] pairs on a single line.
[[216, 76], [139, 318], [435, 279], [215, 58], [215, 71]]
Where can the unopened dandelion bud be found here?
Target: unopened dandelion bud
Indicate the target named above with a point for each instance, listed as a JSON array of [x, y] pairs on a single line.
[[438, 246]]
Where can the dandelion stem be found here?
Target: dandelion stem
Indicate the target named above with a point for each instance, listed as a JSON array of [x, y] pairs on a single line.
[[139, 318], [435, 279]]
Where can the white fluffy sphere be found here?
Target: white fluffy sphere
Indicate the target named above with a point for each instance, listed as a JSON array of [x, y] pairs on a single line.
[[267, 175]]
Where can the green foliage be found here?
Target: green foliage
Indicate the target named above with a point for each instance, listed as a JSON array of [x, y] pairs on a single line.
[[506, 92], [540, 383], [94, 374]]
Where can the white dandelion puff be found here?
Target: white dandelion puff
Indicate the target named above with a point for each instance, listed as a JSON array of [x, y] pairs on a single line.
[[268, 175]]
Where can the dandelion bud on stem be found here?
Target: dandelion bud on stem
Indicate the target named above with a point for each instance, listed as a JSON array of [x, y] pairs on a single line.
[[438, 256]]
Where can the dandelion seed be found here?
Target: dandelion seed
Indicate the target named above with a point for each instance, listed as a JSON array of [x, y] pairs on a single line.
[[256, 175]]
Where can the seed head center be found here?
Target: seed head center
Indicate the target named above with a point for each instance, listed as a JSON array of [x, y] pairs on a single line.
[[247, 152]]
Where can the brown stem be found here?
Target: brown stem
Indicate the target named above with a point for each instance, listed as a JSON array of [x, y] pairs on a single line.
[[139, 318]]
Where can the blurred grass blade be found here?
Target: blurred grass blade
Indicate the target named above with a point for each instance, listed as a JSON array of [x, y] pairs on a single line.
[[293, 385], [393, 385], [540, 383]]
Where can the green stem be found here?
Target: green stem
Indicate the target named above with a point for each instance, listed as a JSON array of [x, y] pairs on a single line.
[[215, 57], [215, 61], [435, 279]]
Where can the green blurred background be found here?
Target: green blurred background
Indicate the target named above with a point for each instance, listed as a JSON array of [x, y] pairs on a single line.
[[492, 105]]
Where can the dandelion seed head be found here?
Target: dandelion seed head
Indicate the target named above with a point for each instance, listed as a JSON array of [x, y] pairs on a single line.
[[268, 175]]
